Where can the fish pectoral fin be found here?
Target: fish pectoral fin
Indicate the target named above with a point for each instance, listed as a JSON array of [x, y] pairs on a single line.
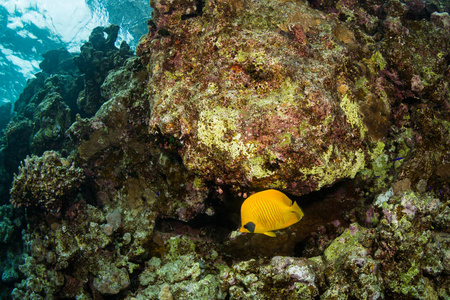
[[270, 233]]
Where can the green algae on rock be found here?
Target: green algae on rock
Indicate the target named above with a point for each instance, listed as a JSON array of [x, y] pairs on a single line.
[[188, 274], [279, 278], [395, 258], [349, 254], [112, 280]]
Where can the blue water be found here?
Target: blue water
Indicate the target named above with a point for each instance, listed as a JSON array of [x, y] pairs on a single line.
[[30, 28]]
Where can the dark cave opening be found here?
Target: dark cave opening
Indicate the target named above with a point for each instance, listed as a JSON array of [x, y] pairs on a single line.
[[327, 213]]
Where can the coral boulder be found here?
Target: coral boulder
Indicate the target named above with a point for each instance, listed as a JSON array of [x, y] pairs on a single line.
[[257, 103]]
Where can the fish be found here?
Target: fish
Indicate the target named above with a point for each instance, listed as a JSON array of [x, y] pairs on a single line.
[[267, 211]]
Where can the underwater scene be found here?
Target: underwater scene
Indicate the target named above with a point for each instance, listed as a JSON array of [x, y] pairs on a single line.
[[225, 149]]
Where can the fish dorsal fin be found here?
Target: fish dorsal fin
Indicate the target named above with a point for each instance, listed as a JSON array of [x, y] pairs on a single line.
[[275, 196], [270, 233]]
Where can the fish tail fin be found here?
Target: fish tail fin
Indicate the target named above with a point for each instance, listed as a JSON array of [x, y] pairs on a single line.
[[270, 233], [297, 210], [295, 215]]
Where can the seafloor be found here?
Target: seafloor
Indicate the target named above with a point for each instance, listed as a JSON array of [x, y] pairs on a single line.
[[126, 173]]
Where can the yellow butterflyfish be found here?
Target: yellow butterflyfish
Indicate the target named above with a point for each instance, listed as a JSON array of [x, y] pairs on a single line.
[[268, 210]]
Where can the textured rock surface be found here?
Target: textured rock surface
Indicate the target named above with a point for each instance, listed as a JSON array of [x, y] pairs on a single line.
[[269, 94], [112, 280], [251, 91], [117, 137], [281, 278], [11, 224], [188, 274]]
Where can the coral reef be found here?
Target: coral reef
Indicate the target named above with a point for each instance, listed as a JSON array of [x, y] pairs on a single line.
[[342, 105], [182, 273], [280, 278], [5, 115], [118, 136], [111, 280], [393, 259], [264, 115]]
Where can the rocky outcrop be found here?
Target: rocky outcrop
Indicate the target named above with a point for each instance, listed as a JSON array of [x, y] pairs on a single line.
[[97, 58]]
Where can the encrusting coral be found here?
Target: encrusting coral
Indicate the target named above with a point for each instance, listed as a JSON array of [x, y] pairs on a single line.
[[45, 181]]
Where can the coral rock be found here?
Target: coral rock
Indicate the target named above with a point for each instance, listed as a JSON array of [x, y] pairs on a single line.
[[46, 181], [112, 281]]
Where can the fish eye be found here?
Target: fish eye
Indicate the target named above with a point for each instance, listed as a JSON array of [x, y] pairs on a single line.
[[250, 226]]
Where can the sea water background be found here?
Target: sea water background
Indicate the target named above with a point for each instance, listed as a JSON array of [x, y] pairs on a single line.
[[29, 28]]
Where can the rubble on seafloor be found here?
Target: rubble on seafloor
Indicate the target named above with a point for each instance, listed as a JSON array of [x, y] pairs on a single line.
[[343, 107]]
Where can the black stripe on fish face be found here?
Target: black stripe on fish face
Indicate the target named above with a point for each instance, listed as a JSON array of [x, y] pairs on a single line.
[[250, 226]]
